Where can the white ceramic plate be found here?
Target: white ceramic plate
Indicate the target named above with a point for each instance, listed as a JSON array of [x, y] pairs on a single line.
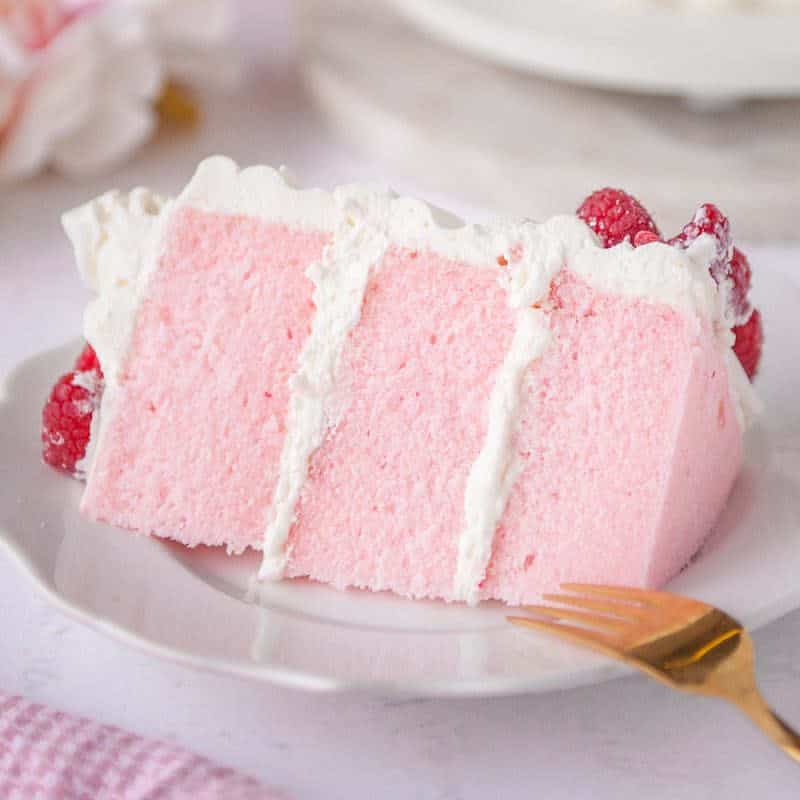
[[705, 55], [193, 606]]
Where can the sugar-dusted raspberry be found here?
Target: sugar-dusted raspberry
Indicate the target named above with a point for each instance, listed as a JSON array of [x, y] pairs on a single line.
[[749, 339], [615, 216], [709, 219], [87, 361], [67, 415], [739, 273], [728, 262]]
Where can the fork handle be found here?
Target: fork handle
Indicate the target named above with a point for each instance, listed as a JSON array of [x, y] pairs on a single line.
[[754, 705]]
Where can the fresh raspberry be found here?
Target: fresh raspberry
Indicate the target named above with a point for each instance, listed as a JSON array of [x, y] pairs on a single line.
[[67, 415], [749, 338], [615, 216], [87, 361]]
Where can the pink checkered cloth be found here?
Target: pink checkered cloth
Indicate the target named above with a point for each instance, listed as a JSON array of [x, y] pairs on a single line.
[[49, 755]]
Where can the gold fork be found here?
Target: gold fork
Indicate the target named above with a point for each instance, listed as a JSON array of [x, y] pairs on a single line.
[[683, 643]]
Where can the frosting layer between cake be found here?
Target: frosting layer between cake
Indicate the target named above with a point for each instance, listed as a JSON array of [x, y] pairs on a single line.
[[340, 280]]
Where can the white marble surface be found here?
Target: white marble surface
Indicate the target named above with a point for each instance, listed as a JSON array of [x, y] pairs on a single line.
[[626, 739]]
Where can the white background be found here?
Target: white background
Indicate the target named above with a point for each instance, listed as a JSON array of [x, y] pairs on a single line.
[[625, 739]]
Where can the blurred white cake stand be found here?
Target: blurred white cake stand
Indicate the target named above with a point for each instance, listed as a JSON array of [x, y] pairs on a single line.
[[626, 46], [523, 145]]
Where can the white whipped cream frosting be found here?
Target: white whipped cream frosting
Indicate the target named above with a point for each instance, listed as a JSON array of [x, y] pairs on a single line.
[[115, 239], [340, 280], [118, 239], [495, 470]]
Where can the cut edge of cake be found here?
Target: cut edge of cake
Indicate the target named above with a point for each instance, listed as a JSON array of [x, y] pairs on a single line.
[[118, 241]]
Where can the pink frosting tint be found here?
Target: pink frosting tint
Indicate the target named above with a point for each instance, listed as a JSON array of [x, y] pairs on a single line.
[[630, 445], [384, 503], [193, 453]]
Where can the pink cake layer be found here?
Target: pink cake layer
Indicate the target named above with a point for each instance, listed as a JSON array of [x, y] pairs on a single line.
[[383, 505], [630, 446], [627, 441], [193, 451]]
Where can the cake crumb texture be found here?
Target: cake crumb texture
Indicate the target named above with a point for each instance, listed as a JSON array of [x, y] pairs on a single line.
[[629, 442], [383, 505], [205, 391]]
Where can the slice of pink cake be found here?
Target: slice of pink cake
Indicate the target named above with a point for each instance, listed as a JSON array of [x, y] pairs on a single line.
[[376, 395]]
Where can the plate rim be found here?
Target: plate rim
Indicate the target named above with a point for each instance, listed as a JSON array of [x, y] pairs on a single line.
[[295, 679]]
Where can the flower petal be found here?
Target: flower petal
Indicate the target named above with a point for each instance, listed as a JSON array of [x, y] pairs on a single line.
[[112, 131]]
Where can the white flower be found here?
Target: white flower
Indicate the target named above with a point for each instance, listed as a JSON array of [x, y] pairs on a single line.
[[78, 78]]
